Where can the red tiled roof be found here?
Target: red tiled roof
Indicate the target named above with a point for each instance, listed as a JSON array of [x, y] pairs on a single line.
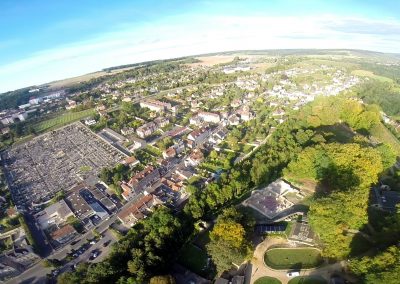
[[62, 232], [134, 208]]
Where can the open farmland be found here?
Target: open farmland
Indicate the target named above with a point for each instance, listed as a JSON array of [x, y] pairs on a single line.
[[212, 60]]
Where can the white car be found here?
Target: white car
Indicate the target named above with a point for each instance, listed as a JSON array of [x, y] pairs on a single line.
[[293, 274]]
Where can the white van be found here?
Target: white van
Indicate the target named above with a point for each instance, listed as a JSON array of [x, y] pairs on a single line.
[[291, 274]]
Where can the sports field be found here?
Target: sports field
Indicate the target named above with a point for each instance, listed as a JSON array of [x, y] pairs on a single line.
[[292, 258], [61, 120]]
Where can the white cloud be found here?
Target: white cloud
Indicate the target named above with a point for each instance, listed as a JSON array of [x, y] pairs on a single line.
[[195, 35]]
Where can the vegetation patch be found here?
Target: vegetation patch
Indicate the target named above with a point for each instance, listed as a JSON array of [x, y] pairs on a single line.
[[61, 120], [194, 258], [267, 280], [379, 130], [307, 280], [292, 258], [370, 74]]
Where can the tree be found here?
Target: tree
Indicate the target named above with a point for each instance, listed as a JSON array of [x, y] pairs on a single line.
[[164, 279], [228, 243], [381, 268], [346, 171]]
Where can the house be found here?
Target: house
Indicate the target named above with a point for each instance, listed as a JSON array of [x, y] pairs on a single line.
[[161, 121], [155, 105], [12, 212], [146, 129], [385, 199], [55, 214], [139, 182], [64, 234], [35, 101], [194, 158], [245, 113], [71, 105], [169, 153], [127, 130], [90, 121], [173, 150], [209, 117], [16, 262], [236, 103], [185, 174], [131, 161], [219, 136], [137, 211], [198, 137], [196, 120], [175, 185], [234, 119]]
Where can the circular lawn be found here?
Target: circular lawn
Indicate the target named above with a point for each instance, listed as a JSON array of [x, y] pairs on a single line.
[[292, 258], [267, 280]]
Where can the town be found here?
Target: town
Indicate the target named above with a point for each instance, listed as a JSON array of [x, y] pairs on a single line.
[[84, 165]]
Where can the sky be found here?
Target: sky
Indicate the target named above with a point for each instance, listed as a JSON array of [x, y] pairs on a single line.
[[46, 40]]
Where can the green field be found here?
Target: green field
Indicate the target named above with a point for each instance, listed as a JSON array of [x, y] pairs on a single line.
[[61, 120], [267, 280], [382, 133], [369, 74], [307, 280], [292, 258], [194, 259]]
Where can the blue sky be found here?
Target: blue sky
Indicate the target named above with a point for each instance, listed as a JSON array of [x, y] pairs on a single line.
[[42, 41]]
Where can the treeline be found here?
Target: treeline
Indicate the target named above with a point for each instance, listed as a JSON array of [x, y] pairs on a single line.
[[11, 100], [390, 71], [149, 249], [384, 94]]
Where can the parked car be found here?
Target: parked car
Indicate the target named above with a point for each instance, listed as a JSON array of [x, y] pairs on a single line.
[[291, 274]]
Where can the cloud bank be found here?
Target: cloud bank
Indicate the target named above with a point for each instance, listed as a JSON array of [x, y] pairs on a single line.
[[182, 36]]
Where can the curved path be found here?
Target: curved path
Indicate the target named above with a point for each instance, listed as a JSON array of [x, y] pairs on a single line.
[[259, 269]]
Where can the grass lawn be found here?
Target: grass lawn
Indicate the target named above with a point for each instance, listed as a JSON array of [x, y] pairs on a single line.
[[61, 120], [307, 280], [292, 258], [267, 280], [382, 133], [84, 169], [194, 259], [365, 73]]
